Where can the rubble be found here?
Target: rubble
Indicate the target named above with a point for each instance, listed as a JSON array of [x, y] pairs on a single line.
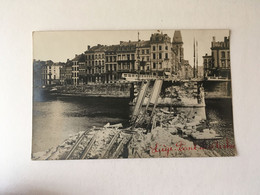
[[101, 147], [161, 143]]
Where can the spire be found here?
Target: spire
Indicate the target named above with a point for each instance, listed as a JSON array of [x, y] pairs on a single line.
[[194, 66], [197, 66], [177, 37]]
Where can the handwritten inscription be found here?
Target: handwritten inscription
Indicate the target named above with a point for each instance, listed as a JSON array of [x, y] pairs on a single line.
[[181, 146]]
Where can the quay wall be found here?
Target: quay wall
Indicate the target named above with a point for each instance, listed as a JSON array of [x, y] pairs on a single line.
[[217, 89], [121, 90]]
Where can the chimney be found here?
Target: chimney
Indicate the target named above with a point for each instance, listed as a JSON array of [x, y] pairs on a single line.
[[214, 39], [88, 47], [121, 42], [225, 39]]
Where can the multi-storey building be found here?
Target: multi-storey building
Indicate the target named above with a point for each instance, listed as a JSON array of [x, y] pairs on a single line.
[[126, 58], [99, 64], [143, 57], [207, 65], [76, 62], [218, 64], [51, 72], [104, 64], [90, 78], [161, 54], [111, 65]]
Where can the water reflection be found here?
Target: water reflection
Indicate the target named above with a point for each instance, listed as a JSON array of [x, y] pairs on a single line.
[[54, 120]]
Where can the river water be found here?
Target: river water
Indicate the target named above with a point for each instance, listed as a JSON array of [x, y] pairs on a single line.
[[55, 118]]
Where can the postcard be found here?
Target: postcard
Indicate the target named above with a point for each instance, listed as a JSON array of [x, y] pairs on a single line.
[[132, 94]]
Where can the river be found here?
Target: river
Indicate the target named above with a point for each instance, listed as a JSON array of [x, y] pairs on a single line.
[[55, 118]]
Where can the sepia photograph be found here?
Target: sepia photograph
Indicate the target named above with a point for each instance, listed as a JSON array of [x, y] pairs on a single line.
[[132, 94]]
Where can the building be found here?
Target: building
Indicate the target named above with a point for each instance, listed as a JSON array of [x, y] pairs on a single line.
[[218, 64], [126, 58], [50, 72], [143, 57], [90, 66], [111, 65], [106, 64], [160, 54], [185, 70], [78, 61]]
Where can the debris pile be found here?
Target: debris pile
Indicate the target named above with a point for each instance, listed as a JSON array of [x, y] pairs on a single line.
[[161, 143], [106, 142], [181, 94]]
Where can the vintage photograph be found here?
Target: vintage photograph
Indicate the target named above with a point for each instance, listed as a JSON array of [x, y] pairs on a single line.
[[132, 94]]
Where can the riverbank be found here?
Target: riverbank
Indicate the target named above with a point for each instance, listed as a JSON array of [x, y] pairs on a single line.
[[115, 90]]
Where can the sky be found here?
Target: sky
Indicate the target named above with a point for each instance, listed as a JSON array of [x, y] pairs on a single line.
[[59, 46]]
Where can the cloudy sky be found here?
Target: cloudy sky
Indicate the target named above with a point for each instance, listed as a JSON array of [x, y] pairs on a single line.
[[62, 45]]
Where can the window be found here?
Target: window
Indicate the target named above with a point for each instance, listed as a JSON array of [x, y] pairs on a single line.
[[148, 59], [142, 51], [160, 47], [154, 56], [222, 54], [160, 65], [166, 55], [154, 65], [147, 51], [160, 56], [154, 48], [148, 67], [223, 63], [166, 47]]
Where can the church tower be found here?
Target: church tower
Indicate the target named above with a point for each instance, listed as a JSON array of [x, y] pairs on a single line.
[[177, 48], [177, 45]]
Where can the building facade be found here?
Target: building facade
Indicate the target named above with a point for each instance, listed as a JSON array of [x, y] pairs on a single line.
[[106, 64], [218, 64], [161, 47]]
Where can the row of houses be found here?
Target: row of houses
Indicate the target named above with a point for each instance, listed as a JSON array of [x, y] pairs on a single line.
[[158, 56]]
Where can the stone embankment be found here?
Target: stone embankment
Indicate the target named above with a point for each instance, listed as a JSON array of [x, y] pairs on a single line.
[[119, 90]]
